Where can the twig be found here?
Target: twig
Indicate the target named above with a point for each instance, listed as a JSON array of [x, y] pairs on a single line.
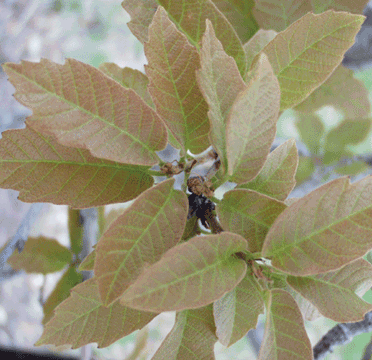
[[341, 334]]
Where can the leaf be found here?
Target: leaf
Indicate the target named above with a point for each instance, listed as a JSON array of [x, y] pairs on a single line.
[[279, 14], [352, 169], [88, 263], [61, 292], [81, 107], [311, 130], [249, 214], [220, 83], [305, 54], [355, 6], [190, 275], [342, 91], [41, 255], [172, 63], [129, 78], [305, 169], [333, 292], [45, 171], [192, 336], [141, 12], [348, 132], [258, 41], [239, 14], [323, 231], [277, 177], [285, 335], [251, 124], [82, 319], [190, 229], [138, 238], [191, 19], [237, 312]]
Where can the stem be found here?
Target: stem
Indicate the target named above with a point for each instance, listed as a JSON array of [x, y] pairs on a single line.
[[101, 220]]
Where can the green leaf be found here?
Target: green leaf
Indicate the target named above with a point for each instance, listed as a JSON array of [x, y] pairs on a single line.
[[305, 54], [190, 275], [353, 169], [355, 6], [141, 12], [333, 293], [88, 263], [41, 255], [45, 171], [277, 177], [348, 132], [190, 17], [237, 312], [81, 107], [249, 214], [279, 14], [239, 14], [192, 336], [285, 335], [258, 41], [251, 124], [323, 231], [129, 78], [172, 63], [82, 319], [342, 91], [305, 169], [311, 130], [220, 82], [138, 238], [61, 292]]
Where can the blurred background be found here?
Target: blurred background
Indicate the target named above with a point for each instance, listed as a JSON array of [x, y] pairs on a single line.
[[95, 31]]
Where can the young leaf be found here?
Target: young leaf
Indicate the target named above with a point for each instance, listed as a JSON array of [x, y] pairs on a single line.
[[355, 6], [239, 14], [237, 312], [82, 319], [190, 275], [348, 132], [171, 71], [279, 14], [258, 41], [311, 130], [88, 263], [45, 171], [192, 336], [129, 78], [333, 292], [323, 231], [251, 124], [343, 92], [81, 107], [41, 255], [138, 238], [61, 292], [277, 177], [305, 54], [220, 82], [285, 335], [191, 18], [141, 12], [249, 214]]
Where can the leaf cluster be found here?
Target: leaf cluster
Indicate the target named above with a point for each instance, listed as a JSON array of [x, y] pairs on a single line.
[[215, 79]]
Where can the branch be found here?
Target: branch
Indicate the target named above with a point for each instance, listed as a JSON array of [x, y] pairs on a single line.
[[341, 334]]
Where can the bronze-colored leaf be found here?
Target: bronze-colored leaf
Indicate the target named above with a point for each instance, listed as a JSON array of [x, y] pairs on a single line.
[[82, 319], [172, 62], [190, 275], [153, 224], [251, 124], [45, 171], [249, 214], [41, 255], [323, 231], [81, 107], [277, 177], [192, 337]]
